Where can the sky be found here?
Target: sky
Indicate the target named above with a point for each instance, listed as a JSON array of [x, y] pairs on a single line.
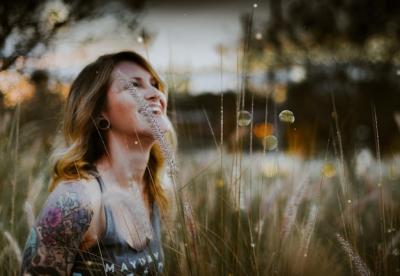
[[186, 38]]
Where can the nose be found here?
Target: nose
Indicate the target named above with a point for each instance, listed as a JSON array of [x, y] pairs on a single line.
[[152, 91], [155, 95]]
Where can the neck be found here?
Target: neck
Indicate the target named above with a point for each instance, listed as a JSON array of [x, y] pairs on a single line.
[[125, 159]]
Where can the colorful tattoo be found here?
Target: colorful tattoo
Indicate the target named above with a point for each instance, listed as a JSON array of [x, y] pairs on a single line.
[[54, 241]]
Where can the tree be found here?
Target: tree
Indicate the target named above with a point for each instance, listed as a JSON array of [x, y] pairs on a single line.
[[25, 24], [332, 25]]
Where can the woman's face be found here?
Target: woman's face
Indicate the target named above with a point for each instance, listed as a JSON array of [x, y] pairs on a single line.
[[123, 111]]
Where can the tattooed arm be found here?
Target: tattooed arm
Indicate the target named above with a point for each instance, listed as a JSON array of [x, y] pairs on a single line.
[[54, 240]]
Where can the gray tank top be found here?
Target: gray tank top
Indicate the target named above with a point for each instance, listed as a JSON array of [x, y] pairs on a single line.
[[114, 256]]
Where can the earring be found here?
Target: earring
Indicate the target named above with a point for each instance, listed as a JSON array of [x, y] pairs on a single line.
[[103, 123]]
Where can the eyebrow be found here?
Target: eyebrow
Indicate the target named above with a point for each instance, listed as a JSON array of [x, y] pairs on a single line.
[[140, 78]]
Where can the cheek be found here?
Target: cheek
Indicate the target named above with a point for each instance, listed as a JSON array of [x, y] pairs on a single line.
[[121, 106]]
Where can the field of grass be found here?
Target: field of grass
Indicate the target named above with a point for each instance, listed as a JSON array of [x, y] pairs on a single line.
[[257, 213], [273, 214]]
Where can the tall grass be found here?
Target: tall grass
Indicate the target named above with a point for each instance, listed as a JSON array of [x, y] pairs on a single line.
[[285, 227], [264, 213], [24, 172]]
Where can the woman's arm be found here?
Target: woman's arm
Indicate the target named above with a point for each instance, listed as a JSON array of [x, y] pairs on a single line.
[[54, 240]]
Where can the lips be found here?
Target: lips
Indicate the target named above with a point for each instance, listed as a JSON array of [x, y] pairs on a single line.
[[156, 109]]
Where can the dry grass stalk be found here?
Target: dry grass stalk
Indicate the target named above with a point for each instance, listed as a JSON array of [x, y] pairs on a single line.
[[361, 266]]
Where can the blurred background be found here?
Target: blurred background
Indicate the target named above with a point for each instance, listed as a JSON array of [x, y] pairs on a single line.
[[260, 93], [295, 55]]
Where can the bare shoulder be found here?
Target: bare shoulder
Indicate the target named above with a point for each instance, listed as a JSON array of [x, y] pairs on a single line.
[[86, 190], [64, 219], [69, 196], [69, 202], [76, 202]]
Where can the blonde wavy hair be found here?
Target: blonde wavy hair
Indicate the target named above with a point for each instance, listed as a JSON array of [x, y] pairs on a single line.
[[83, 143]]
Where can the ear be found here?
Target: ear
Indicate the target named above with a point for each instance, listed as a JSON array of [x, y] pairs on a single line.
[[104, 114], [105, 110]]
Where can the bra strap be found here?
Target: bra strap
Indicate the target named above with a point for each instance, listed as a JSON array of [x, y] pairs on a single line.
[[100, 183]]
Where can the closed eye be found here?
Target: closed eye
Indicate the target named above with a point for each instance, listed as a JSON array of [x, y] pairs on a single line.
[[134, 83], [138, 82], [155, 84]]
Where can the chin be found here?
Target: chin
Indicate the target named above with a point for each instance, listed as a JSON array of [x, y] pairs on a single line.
[[163, 123], [146, 129]]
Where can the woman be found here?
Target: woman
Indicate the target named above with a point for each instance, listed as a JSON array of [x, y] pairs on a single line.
[[103, 213]]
